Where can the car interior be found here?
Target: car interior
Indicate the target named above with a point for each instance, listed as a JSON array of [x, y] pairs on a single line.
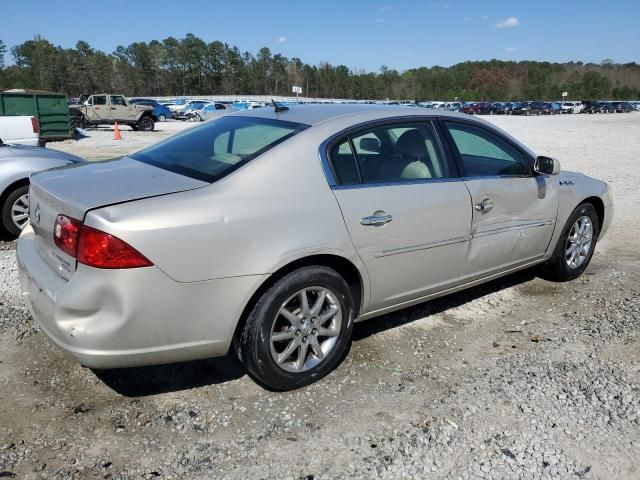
[[389, 154]]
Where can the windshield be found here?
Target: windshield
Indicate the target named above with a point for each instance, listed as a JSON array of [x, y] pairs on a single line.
[[217, 148]]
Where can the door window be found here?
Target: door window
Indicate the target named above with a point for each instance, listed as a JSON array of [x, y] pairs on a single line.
[[390, 153], [486, 154], [99, 100], [118, 101]]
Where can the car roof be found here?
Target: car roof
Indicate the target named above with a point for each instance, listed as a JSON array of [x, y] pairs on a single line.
[[350, 113]]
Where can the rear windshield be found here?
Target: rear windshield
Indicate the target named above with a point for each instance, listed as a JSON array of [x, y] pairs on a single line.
[[218, 147]]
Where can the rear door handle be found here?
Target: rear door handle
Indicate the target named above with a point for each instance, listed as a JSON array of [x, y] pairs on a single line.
[[378, 219], [484, 206]]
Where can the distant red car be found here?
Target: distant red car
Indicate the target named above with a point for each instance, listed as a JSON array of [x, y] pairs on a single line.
[[474, 108]]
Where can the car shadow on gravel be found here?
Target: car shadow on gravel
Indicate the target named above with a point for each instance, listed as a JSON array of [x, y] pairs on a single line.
[[144, 381], [396, 319]]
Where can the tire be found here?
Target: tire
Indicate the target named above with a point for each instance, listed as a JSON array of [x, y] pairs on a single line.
[[145, 124], [13, 204], [198, 117], [558, 267], [259, 351], [162, 118], [76, 122]]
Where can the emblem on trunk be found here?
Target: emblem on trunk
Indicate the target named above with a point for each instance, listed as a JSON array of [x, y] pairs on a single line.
[[36, 214]]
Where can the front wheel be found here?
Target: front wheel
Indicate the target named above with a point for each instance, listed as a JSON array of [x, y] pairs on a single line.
[[575, 246], [15, 211], [298, 330]]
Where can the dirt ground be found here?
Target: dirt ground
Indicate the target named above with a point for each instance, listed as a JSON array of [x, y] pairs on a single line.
[[518, 378]]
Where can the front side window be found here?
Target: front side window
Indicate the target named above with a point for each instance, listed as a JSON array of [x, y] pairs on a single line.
[[389, 153], [99, 99], [485, 154], [215, 149]]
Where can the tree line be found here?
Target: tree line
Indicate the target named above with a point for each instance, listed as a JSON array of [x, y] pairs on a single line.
[[191, 66]]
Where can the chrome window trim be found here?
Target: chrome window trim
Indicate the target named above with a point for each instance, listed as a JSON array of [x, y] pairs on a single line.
[[416, 181]]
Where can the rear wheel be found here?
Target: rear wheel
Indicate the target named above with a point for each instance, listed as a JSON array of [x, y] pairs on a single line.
[[15, 211], [298, 330], [575, 246], [145, 124], [162, 118]]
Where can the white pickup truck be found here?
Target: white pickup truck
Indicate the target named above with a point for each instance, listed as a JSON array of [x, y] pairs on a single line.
[[20, 130]]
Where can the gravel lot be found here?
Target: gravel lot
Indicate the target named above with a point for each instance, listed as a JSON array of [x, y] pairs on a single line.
[[519, 378]]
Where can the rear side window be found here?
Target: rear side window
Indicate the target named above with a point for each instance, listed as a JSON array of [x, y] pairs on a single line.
[[215, 149], [399, 152]]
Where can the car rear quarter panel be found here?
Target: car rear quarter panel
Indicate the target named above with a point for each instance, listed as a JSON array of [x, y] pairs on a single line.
[[276, 209]]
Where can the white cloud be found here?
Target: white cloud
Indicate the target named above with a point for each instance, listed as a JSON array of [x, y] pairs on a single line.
[[509, 22], [511, 49], [386, 8], [281, 39], [485, 17]]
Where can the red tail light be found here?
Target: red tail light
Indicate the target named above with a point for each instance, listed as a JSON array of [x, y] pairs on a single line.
[[35, 124], [65, 234], [93, 247], [101, 250]]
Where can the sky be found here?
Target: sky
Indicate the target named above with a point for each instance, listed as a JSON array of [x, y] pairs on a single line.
[[360, 34]]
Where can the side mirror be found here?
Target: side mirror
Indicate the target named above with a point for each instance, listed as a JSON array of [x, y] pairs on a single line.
[[370, 145], [547, 166]]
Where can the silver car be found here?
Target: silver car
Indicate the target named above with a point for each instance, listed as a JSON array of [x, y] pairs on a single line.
[[17, 162], [207, 112], [272, 231]]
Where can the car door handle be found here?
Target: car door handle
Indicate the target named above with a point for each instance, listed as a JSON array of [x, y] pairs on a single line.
[[113, 108], [484, 206], [376, 220]]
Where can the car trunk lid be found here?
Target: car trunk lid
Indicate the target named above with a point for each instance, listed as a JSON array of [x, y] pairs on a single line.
[[76, 189]]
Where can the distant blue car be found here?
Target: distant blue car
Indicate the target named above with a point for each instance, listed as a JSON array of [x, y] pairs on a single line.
[[160, 111], [552, 108]]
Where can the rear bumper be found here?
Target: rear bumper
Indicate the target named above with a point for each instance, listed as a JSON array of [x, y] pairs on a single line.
[[133, 317]]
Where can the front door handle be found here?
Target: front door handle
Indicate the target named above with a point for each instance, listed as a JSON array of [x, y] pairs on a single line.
[[378, 219], [484, 206]]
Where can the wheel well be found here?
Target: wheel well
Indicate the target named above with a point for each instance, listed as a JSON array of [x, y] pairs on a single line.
[[17, 184], [344, 267], [598, 204]]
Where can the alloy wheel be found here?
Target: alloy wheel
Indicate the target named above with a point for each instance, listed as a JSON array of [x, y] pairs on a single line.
[[20, 211], [306, 329], [579, 242]]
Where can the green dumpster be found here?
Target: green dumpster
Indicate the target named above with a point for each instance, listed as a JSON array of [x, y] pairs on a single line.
[[51, 110]]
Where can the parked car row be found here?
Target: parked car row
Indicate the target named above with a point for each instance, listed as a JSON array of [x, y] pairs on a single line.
[[534, 107]]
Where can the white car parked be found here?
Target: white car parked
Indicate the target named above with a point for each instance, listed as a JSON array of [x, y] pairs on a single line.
[[20, 130], [572, 107]]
